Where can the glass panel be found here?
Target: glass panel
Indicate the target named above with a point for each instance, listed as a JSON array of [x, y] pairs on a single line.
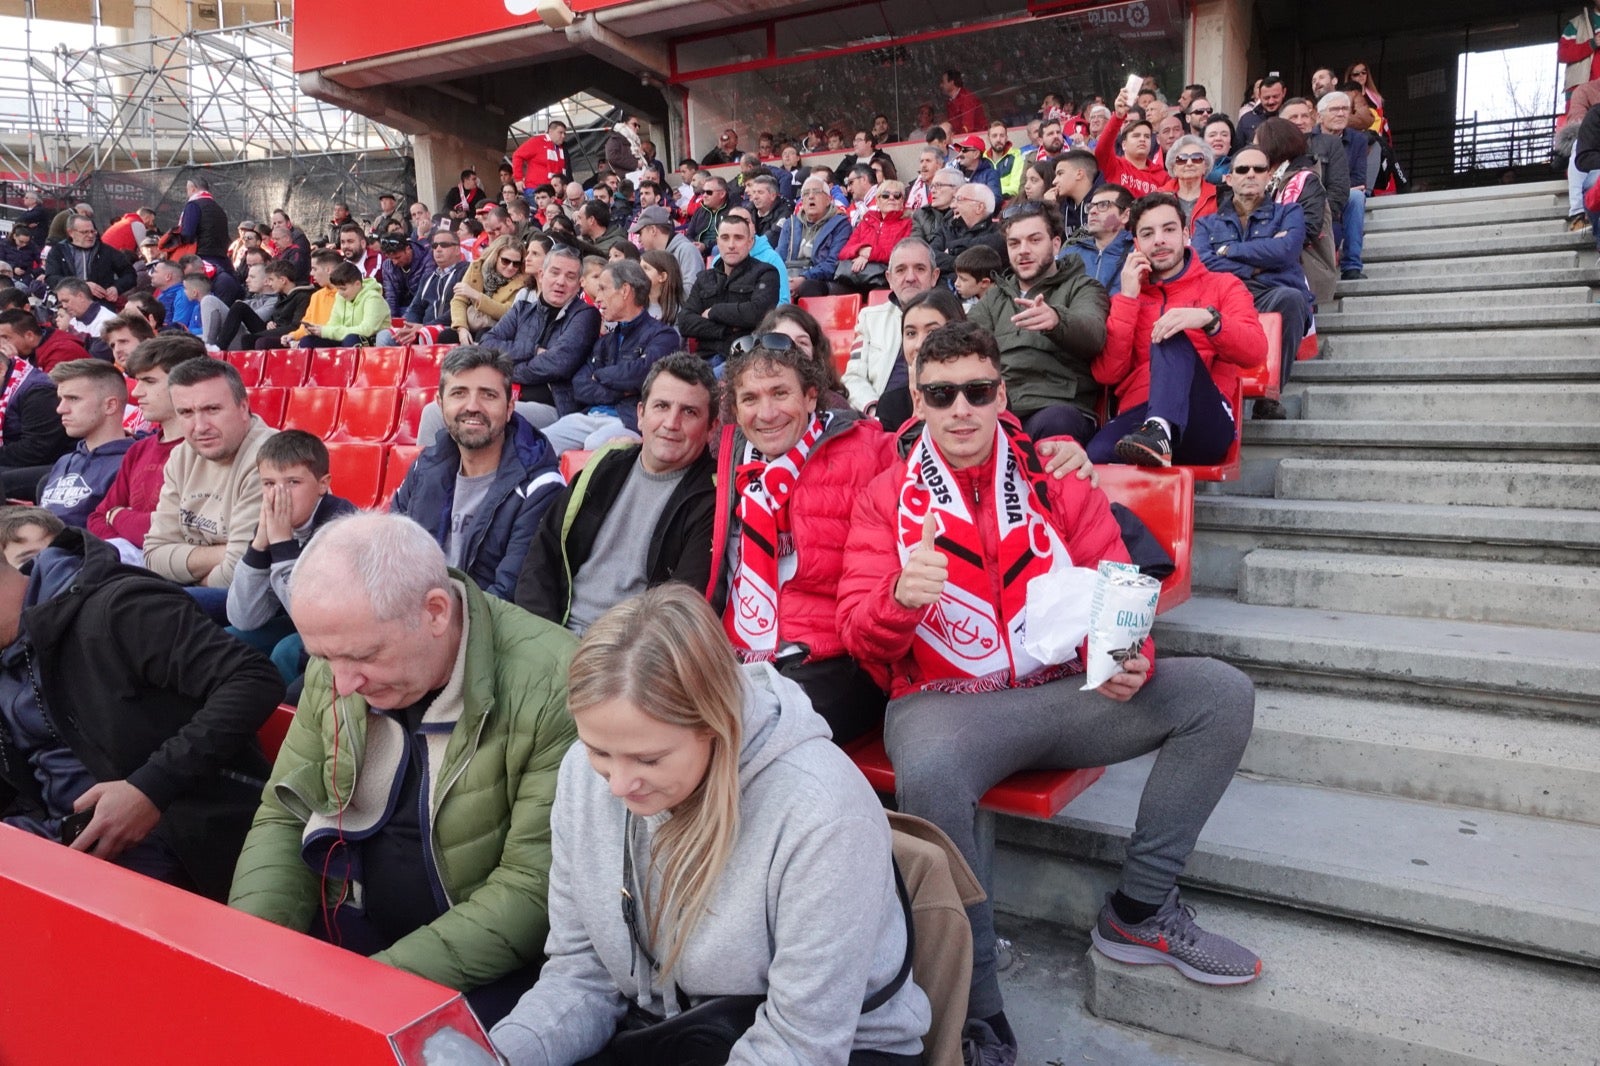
[[722, 51]]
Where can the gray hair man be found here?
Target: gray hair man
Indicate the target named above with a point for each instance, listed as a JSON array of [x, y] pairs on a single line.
[[875, 348]]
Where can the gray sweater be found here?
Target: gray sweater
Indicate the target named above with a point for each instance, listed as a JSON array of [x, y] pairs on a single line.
[[812, 835]]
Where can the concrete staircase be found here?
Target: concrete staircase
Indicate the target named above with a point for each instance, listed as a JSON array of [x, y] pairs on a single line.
[[1410, 570]]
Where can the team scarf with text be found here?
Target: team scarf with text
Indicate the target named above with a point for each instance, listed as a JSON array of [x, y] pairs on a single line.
[[967, 642], [764, 487]]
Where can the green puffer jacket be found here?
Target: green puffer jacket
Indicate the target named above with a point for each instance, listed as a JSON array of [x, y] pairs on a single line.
[[490, 831], [1044, 369]]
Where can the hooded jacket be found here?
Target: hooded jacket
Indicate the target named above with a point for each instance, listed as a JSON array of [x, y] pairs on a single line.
[[827, 239], [56, 346], [1102, 264], [1117, 170], [1009, 166], [1043, 369], [290, 308], [619, 363], [1124, 363], [805, 909], [144, 688], [364, 316], [985, 174], [1264, 250], [566, 335], [80, 480], [497, 541], [494, 739]]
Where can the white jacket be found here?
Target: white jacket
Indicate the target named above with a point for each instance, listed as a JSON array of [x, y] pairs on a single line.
[[873, 351]]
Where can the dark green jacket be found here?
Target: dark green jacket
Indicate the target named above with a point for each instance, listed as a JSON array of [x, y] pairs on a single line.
[[1045, 369]]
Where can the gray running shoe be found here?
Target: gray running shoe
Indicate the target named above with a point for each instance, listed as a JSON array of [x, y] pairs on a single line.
[[1173, 939]]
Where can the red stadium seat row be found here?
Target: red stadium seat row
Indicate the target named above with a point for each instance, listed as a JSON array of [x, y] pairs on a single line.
[[374, 415], [341, 368], [367, 474]]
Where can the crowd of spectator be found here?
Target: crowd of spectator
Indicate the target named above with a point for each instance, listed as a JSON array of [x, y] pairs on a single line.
[[764, 554]]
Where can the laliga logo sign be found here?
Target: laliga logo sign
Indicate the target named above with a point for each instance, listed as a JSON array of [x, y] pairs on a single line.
[[1134, 16], [1138, 15]]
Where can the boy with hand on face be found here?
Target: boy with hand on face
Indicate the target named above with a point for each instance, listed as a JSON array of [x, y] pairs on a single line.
[[295, 503]]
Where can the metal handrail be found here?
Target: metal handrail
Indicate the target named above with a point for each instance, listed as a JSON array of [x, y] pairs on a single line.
[[1470, 145]]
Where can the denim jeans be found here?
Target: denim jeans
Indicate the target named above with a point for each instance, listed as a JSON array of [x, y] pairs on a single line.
[[1353, 235]]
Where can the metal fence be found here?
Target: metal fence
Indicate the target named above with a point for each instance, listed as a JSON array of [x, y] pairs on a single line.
[[1471, 148]]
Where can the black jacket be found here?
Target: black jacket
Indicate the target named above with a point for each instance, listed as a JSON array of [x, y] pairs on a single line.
[[108, 267], [680, 546], [290, 308], [723, 306], [956, 237], [32, 434], [143, 687]]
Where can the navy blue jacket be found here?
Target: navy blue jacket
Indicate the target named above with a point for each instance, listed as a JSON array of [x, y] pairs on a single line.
[[567, 336], [832, 234], [1268, 254], [80, 480], [497, 541], [1103, 266], [616, 370], [431, 304], [986, 174], [400, 284]]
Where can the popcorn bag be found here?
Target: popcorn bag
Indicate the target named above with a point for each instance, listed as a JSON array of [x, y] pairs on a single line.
[[1120, 616]]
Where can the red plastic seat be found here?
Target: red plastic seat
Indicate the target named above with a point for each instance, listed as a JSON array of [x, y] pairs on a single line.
[[401, 456], [572, 462], [313, 409], [1266, 381], [412, 401], [366, 415], [274, 729], [268, 402], [380, 368], [1164, 502], [284, 368], [248, 364], [422, 368], [877, 296], [1309, 348], [840, 341], [1228, 469], [332, 368], [833, 312], [357, 469], [1031, 793]]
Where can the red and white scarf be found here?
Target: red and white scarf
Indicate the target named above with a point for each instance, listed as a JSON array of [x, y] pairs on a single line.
[[20, 370], [766, 548], [966, 642]]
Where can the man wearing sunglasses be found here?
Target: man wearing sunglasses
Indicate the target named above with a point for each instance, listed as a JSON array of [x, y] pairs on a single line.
[[932, 602], [1198, 114], [428, 315], [1258, 241]]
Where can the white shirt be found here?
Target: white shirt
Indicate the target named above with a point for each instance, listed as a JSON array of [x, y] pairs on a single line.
[[99, 316]]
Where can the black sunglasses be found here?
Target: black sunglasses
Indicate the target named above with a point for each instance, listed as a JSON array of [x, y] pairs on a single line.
[[1188, 159], [504, 261], [979, 393], [445, 244], [1246, 168], [1200, 111]]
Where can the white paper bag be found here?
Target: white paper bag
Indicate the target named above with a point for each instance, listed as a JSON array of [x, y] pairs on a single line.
[[1058, 614]]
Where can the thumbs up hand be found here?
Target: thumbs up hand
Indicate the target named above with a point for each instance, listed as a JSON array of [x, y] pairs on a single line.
[[922, 579]]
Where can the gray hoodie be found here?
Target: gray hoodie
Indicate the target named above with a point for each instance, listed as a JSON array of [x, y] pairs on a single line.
[[812, 835]]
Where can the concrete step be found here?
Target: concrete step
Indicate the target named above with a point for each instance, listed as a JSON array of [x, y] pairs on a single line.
[[1532, 367], [1335, 993], [1468, 590], [1556, 238], [1456, 344], [1423, 238], [1532, 314], [1543, 768], [1461, 663], [1484, 197], [1505, 261], [1547, 485], [1536, 442], [1447, 280], [1520, 209], [1539, 403], [1507, 881], [1424, 302]]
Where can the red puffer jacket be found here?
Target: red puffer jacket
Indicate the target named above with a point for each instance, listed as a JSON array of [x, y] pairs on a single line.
[[879, 632], [879, 232], [852, 451], [1124, 362]]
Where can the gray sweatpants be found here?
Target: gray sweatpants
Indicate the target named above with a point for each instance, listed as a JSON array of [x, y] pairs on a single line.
[[949, 749]]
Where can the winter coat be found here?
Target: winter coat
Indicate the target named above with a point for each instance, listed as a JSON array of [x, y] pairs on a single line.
[[23, 261], [877, 232], [290, 308], [496, 305], [57, 347], [567, 335], [146, 689], [849, 454], [830, 236], [680, 546], [497, 541], [955, 237], [1102, 264], [431, 305], [873, 351], [1124, 363], [805, 910], [1266, 251], [204, 222], [617, 367], [107, 267], [984, 173], [725, 304], [1043, 369], [80, 479], [490, 782], [400, 284], [928, 223], [32, 435], [364, 316], [1139, 181]]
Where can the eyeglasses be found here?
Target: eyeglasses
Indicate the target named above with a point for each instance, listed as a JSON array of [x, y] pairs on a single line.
[[1358, 73], [1189, 158], [1102, 205], [1246, 168], [979, 393], [506, 261]]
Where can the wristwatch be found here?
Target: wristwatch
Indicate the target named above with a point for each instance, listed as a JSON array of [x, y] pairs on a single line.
[[1213, 327]]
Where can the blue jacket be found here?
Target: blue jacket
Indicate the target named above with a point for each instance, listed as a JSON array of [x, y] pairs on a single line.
[[567, 336], [1269, 254], [185, 312], [400, 284], [1356, 143], [616, 369], [832, 234], [80, 480], [985, 173], [1103, 266], [498, 539], [431, 304]]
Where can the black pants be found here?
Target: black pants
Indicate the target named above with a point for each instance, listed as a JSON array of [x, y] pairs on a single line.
[[843, 693], [240, 314], [1060, 420], [810, 287]]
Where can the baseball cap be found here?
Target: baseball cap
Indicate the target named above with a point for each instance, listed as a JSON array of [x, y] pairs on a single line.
[[974, 143], [487, 206], [655, 216]]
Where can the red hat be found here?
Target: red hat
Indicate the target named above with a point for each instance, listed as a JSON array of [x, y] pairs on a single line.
[[973, 142]]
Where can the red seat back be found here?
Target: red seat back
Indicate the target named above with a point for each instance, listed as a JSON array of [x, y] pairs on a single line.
[[313, 409], [401, 456], [357, 470], [332, 368], [572, 462], [422, 368], [840, 341], [274, 729], [268, 403], [284, 368], [381, 368], [1164, 502], [833, 312], [412, 401], [1267, 380], [367, 414], [877, 296], [1228, 469], [248, 364]]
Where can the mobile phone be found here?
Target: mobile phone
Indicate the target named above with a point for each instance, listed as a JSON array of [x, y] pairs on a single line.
[[1135, 83], [73, 825]]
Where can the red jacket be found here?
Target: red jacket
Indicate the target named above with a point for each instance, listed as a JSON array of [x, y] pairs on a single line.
[[535, 160], [57, 347], [879, 632], [879, 232], [964, 112], [120, 234], [1139, 181], [1206, 205], [1124, 362], [137, 487], [850, 454]]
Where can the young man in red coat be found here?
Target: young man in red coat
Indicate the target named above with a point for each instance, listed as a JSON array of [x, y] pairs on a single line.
[[941, 549], [1177, 338]]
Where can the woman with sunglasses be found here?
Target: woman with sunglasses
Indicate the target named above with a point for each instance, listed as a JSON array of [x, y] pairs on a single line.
[[1361, 73], [922, 314], [752, 860], [666, 283], [486, 290], [807, 334], [864, 259], [1189, 161]]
